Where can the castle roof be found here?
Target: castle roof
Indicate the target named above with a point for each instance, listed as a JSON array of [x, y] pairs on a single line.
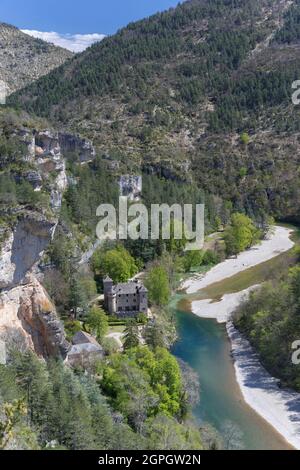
[[81, 337], [131, 287], [84, 348], [143, 288]]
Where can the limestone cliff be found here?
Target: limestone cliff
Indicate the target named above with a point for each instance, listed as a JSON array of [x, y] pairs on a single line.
[[23, 247], [28, 319], [44, 153], [131, 186]]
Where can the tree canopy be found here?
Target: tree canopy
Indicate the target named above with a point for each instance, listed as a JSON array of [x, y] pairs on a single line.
[[241, 234], [116, 263], [157, 283]]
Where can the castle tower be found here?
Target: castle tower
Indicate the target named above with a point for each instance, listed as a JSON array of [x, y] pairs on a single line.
[[143, 294], [112, 302], [107, 288]]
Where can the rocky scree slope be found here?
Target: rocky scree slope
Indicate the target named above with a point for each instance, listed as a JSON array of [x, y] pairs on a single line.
[[24, 59]]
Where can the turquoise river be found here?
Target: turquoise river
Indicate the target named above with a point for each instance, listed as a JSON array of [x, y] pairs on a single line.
[[204, 345]]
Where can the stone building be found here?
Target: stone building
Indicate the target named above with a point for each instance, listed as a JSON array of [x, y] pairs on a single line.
[[125, 299], [85, 350]]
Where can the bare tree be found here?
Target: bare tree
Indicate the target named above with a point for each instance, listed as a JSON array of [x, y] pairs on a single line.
[[232, 436]]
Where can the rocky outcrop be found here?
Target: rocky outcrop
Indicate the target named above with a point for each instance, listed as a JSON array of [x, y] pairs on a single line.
[[28, 320], [7, 268], [131, 186], [179, 171], [23, 247], [47, 144], [43, 151], [2, 353], [61, 183], [46, 150], [34, 178], [77, 145], [49, 158], [27, 137]]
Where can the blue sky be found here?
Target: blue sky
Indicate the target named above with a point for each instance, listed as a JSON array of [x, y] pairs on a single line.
[[76, 24], [78, 16]]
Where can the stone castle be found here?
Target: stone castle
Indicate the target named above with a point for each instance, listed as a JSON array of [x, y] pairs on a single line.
[[125, 299]]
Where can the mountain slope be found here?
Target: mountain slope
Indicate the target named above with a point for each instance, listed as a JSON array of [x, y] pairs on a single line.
[[24, 59], [173, 93]]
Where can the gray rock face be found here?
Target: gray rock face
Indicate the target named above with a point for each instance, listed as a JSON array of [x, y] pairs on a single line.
[[58, 189], [131, 186], [31, 238], [35, 179], [27, 137], [49, 158], [44, 152], [23, 249], [56, 343], [47, 150], [7, 268], [2, 353], [84, 148], [48, 142]]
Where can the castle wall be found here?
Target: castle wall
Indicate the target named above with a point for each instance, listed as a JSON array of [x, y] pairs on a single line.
[[128, 302], [143, 307], [122, 304], [111, 304]]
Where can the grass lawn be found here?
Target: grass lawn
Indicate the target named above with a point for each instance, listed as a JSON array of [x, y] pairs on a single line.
[[116, 329]]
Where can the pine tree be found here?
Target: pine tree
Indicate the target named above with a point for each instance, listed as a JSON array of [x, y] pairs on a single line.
[[131, 335]]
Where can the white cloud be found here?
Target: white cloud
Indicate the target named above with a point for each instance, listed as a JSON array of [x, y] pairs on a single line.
[[73, 42]]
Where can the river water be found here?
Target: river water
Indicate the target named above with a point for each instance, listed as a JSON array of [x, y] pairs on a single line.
[[205, 346]]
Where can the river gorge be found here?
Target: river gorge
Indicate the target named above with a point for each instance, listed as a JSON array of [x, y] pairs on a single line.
[[201, 313]]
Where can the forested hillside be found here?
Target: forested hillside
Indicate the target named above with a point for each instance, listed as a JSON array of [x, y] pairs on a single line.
[[50, 406], [201, 92]]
